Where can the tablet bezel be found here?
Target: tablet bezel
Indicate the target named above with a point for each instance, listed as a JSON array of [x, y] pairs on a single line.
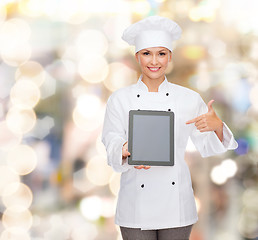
[[131, 160]]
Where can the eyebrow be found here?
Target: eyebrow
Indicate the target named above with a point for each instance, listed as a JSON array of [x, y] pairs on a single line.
[[163, 50]]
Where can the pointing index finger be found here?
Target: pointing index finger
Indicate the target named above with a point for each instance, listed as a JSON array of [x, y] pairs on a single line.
[[192, 121]]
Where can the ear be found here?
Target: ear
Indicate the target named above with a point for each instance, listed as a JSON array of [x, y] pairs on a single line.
[[136, 57], [170, 56]]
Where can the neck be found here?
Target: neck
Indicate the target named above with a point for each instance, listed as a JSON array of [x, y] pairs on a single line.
[[153, 83]]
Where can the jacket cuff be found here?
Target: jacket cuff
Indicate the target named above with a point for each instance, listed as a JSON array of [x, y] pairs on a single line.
[[228, 139], [228, 142], [115, 156]]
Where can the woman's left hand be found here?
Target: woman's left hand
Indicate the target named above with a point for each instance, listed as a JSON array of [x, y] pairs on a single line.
[[142, 167], [209, 122]]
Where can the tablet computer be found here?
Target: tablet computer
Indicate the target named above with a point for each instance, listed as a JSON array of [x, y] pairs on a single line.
[[151, 138]]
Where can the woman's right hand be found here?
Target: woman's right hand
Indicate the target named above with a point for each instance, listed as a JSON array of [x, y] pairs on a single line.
[[126, 154]]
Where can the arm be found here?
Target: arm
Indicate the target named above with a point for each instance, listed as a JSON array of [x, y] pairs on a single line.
[[209, 122], [210, 135], [114, 136]]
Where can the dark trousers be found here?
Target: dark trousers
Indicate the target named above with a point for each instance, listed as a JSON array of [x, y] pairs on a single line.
[[181, 233]]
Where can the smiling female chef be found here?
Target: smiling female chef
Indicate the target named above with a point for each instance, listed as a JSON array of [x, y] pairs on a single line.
[[158, 202]]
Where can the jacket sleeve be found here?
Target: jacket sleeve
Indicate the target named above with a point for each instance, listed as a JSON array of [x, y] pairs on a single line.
[[207, 143], [114, 136]]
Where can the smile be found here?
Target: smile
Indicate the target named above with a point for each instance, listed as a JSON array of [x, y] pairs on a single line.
[[154, 69]]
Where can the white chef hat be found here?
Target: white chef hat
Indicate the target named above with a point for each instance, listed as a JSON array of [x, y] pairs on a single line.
[[154, 31]]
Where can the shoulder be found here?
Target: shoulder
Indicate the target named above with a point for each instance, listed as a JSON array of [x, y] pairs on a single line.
[[184, 92], [189, 101]]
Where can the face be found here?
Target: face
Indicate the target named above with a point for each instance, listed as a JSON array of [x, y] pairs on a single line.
[[153, 61]]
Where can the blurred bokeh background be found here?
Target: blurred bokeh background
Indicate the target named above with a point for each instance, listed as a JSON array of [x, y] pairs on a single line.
[[61, 60]]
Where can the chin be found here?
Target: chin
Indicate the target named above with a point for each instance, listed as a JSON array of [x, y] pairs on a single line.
[[155, 75]]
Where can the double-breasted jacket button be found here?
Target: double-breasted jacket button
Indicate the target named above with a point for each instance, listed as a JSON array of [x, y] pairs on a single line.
[[142, 186], [173, 183], [138, 95], [167, 94]]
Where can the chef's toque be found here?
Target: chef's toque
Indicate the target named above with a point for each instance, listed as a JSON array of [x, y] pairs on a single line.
[[154, 31]]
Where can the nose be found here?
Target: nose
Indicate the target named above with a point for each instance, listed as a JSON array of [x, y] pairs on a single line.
[[154, 60]]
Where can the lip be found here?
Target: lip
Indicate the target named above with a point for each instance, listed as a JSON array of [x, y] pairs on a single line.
[[154, 69]]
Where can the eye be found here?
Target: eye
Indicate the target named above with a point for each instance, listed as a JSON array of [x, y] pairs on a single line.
[[162, 53], [146, 53]]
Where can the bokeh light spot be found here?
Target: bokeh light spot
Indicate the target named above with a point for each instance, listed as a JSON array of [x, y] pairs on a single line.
[[15, 30], [14, 55], [93, 68], [14, 46], [32, 71], [114, 183], [91, 42], [88, 105], [8, 139], [217, 176], [22, 159], [91, 207], [221, 173], [98, 172], [31, 8], [8, 176], [194, 52], [17, 216], [15, 233], [243, 146], [140, 7], [119, 76], [17, 194], [89, 112], [25, 94], [20, 120]]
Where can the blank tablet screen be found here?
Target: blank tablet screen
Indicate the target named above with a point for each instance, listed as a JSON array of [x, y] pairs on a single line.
[[151, 138]]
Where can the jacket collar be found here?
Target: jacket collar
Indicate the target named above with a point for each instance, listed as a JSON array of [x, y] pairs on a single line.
[[163, 87]]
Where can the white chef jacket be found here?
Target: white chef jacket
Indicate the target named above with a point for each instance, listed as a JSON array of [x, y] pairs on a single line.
[[162, 196]]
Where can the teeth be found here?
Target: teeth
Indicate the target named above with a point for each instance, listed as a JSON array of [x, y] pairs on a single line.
[[154, 69]]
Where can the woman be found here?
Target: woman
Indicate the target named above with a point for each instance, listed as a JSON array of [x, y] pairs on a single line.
[[157, 203]]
